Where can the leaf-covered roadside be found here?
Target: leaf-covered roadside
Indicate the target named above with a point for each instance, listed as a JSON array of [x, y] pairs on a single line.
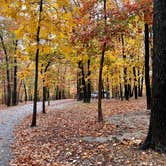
[[58, 138]]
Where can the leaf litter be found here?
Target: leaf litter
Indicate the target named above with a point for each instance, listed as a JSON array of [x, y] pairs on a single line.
[[72, 136]]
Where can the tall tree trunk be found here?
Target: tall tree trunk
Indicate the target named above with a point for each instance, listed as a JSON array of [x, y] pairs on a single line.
[[142, 83], [135, 83], [44, 98], [48, 96], [107, 85], [59, 95], [139, 83], [102, 91], [126, 90], [15, 78], [130, 89], [44, 88], [25, 93], [100, 113], [9, 94], [121, 92], [157, 128], [113, 91], [83, 83], [36, 67], [100, 86], [79, 82], [4, 89], [57, 92], [147, 79], [19, 91], [88, 83], [64, 82]]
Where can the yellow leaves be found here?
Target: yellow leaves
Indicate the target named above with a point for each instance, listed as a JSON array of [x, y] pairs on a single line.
[[24, 74], [62, 3], [111, 56], [45, 49], [19, 32]]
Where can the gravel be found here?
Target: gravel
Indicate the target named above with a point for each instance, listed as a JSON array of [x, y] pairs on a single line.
[[130, 125]]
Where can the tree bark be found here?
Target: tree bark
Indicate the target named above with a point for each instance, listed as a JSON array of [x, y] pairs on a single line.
[[100, 113], [33, 124], [79, 82], [15, 79], [44, 99], [19, 91], [135, 83], [121, 92], [25, 93], [83, 83], [147, 79], [126, 90], [9, 94], [44, 89], [4, 89], [48, 96], [142, 83], [57, 92], [88, 83], [139, 83], [157, 129]]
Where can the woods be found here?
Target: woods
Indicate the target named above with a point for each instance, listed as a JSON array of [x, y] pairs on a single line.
[[108, 40], [92, 51]]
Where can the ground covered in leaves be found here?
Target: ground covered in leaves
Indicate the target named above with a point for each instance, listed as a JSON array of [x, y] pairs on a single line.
[[72, 136]]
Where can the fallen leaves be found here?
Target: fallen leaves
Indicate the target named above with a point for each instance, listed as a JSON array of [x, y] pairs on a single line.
[[58, 138]]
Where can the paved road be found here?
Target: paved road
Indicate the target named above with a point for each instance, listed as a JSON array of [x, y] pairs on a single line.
[[11, 117]]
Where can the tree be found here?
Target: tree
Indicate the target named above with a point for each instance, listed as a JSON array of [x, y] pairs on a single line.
[[7, 71], [44, 87], [14, 101], [147, 79], [100, 114], [157, 129], [36, 65]]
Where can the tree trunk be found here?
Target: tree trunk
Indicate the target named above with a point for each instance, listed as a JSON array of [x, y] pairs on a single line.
[[57, 92], [107, 86], [83, 84], [48, 96], [88, 83], [142, 83], [100, 113], [19, 91], [15, 79], [44, 99], [157, 129], [126, 90], [25, 92], [63, 94], [44, 88], [79, 82], [4, 89], [100, 86], [147, 79], [9, 94], [121, 92], [36, 67], [135, 83]]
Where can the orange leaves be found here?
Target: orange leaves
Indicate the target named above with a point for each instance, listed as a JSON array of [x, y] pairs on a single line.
[[58, 139], [87, 6]]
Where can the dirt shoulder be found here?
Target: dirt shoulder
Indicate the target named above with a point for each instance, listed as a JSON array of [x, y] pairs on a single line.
[[72, 136]]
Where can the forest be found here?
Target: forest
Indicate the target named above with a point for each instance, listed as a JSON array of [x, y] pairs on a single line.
[[82, 82]]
